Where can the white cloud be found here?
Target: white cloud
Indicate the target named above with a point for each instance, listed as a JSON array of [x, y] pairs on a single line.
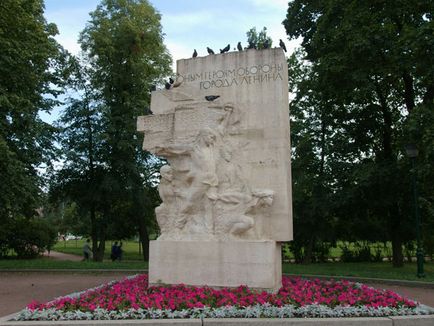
[[280, 4], [178, 51], [186, 21]]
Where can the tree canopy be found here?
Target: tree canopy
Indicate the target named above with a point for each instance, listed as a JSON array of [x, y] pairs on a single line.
[[106, 171], [370, 74], [30, 77]]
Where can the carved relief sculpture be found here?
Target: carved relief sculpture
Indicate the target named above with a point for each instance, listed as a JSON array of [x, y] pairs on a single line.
[[204, 194], [226, 190]]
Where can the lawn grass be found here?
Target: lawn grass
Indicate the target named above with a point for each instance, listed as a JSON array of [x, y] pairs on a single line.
[[130, 249], [132, 259], [383, 270], [49, 263], [371, 270]]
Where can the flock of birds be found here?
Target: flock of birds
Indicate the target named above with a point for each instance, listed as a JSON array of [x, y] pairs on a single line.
[[240, 48], [172, 84]]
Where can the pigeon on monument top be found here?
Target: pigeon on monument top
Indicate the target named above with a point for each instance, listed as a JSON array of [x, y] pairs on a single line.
[[211, 98], [171, 81], [177, 84], [266, 44], [167, 86], [194, 53], [239, 47], [210, 51], [282, 45], [225, 49]]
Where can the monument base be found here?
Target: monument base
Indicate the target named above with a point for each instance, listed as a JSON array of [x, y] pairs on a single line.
[[256, 264]]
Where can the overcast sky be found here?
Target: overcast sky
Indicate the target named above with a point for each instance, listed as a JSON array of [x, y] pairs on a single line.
[[187, 24]]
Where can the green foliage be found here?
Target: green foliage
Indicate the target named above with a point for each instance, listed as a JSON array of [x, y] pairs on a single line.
[[371, 270], [45, 263], [360, 80], [361, 253], [30, 77], [28, 238], [258, 40], [106, 173]]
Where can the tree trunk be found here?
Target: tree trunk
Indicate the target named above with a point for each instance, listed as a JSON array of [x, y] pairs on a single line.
[[307, 259], [396, 235], [101, 249], [389, 159], [397, 255], [93, 233], [144, 238], [408, 91]]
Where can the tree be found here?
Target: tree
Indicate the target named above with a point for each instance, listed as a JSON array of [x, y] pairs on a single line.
[[258, 40], [83, 147], [124, 50], [373, 61], [30, 77], [310, 169]]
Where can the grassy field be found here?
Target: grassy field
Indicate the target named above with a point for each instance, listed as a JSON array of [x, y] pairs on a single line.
[[372, 270], [132, 260], [375, 270], [49, 263], [130, 249]]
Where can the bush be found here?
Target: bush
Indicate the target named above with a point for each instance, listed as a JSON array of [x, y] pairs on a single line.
[[360, 253], [5, 234], [31, 237], [320, 252]]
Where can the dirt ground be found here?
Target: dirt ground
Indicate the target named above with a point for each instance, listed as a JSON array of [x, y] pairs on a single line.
[[17, 289]]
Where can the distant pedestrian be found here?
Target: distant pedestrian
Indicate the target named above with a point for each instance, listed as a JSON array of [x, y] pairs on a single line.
[[114, 252], [120, 251], [87, 250]]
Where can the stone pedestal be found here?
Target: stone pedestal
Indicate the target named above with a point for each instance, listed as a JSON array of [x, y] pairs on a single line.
[[256, 264], [223, 127]]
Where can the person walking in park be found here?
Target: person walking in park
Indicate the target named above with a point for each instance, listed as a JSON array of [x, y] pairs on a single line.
[[116, 253], [87, 250]]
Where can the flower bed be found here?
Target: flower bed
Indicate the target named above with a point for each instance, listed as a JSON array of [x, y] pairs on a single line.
[[132, 298]]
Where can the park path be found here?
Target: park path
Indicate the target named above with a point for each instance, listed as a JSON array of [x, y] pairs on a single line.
[[62, 256], [17, 289]]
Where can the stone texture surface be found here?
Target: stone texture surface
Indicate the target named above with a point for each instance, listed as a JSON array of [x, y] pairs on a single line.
[[216, 263], [413, 320], [301, 322], [390, 321], [161, 322], [223, 127], [229, 174]]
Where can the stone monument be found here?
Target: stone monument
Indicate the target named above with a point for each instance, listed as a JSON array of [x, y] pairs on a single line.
[[223, 126]]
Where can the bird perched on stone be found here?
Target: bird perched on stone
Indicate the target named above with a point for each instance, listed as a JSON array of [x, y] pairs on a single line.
[[225, 49], [239, 47], [266, 44], [171, 81], [211, 98], [282, 45], [210, 51], [177, 84], [194, 53], [168, 86]]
